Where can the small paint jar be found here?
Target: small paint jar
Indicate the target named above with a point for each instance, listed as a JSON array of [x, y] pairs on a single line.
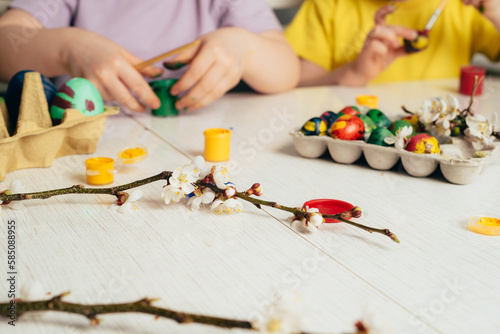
[[468, 74], [484, 225], [100, 171], [370, 101], [217, 144], [162, 90], [132, 154], [329, 207]]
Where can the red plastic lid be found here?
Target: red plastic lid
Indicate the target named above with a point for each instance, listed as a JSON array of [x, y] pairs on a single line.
[[329, 207]]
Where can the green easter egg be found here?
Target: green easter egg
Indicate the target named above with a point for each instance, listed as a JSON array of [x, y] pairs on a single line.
[[80, 94], [380, 119], [378, 137], [396, 126], [369, 124]]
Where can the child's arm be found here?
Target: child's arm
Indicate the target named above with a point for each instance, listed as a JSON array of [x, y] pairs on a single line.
[[264, 61], [382, 46], [27, 45], [491, 10]]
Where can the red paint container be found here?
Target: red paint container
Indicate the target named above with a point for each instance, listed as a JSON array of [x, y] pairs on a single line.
[[467, 75], [329, 207]]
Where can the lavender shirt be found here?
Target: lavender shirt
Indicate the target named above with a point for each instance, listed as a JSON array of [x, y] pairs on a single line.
[[147, 28]]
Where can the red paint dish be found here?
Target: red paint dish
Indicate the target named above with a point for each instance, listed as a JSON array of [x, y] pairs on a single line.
[[329, 207]]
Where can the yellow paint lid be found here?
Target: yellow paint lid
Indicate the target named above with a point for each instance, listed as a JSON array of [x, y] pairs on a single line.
[[484, 225], [132, 154]]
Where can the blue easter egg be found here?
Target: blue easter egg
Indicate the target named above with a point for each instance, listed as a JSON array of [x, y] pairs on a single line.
[[15, 90], [80, 94], [314, 127], [329, 117]]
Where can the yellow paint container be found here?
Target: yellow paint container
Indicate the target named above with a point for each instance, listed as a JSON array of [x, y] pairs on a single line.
[[484, 225], [133, 154], [100, 171], [217, 144], [370, 101]]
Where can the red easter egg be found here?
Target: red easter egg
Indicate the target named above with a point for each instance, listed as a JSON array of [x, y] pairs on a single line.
[[348, 127], [350, 110], [423, 143]]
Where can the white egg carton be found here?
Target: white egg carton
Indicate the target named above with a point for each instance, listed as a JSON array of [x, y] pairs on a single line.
[[456, 161]]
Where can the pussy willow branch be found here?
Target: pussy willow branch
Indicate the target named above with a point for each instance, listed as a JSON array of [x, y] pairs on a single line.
[[141, 306]]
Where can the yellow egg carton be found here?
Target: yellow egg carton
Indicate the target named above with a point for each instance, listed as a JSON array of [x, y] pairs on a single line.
[[35, 142], [458, 164]]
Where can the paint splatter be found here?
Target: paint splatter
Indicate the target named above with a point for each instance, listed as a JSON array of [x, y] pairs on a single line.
[[61, 103], [89, 105], [67, 90]]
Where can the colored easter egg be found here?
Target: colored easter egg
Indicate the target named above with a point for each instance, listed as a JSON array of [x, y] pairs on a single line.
[[396, 126], [423, 143], [349, 110], [369, 125], [77, 93], [329, 117], [314, 127], [413, 120], [15, 89], [348, 127], [380, 119], [378, 137]]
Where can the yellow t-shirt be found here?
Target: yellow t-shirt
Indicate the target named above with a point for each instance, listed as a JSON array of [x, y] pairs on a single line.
[[331, 33]]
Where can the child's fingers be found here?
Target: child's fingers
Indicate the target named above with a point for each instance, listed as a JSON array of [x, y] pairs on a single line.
[[204, 86], [219, 90], [134, 81], [148, 71], [404, 32], [199, 66], [382, 13], [123, 96], [385, 35], [184, 57]]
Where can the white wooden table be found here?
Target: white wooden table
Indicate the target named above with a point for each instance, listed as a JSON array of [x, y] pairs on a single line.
[[440, 279]]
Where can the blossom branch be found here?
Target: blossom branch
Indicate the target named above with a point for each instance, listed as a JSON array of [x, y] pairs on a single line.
[[140, 306], [300, 213], [80, 189]]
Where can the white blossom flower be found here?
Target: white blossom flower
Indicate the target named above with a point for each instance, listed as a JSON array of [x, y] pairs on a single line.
[[479, 132], [442, 125], [312, 224], [184, 177], [171, 193], [221, 176], [430, 110], [32, 291], [129, 204], [204, 196], [199, 165], [17, 187], [283, 317], [399, 140], [228, 206]]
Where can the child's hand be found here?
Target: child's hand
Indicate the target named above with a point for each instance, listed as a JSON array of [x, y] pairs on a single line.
[[111, 69], [216, 66], [382, 46], [489, 8]]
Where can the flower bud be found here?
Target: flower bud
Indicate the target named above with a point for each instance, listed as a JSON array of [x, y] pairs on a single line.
[[356, 212], [346, 215]]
